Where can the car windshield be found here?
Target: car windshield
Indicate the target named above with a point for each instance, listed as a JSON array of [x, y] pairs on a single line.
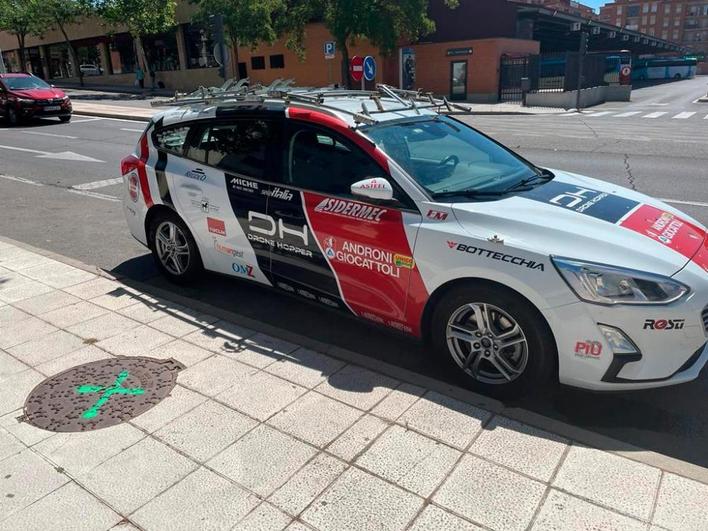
[[24, 83], [449, 158]]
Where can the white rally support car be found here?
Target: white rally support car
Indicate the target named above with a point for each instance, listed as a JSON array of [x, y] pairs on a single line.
[[379, 204]]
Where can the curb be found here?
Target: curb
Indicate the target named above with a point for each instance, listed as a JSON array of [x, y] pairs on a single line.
[[568, 431], [100, 114]]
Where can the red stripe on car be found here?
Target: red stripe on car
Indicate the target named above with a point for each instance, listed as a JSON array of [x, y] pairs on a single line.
[[368, 250], [142, 171], [666, 228]]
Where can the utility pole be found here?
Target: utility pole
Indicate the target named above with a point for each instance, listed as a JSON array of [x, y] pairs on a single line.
[[582, 50]]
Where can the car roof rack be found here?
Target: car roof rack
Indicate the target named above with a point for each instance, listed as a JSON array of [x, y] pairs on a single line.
[[238, 91]]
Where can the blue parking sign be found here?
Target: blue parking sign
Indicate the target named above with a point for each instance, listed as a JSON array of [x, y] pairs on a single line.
[[330, 49], [369, 68]]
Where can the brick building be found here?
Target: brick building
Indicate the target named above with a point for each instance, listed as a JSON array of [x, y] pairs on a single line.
[[681, 21], [566, 6]]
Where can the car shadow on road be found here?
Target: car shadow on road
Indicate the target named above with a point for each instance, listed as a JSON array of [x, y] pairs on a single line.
[[666, 420]]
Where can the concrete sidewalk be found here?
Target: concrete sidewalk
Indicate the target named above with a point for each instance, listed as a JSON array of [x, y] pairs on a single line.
[[262, 433], [140, 113]]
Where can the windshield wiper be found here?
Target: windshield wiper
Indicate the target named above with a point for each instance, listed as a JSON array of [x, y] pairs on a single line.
[[544, 175], [466, 193]]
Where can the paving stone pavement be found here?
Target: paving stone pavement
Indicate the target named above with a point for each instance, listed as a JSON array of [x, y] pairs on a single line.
[[260, 433]]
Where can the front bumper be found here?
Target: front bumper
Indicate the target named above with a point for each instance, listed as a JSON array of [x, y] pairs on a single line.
[[37, 111], [671, 340]]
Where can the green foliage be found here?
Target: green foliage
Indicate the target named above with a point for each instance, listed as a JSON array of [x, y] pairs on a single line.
[[23, 17], [142, 17], [247, 22], [63, 12]]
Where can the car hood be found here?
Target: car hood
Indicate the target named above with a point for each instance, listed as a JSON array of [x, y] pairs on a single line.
[[583, 218], [39, 94]]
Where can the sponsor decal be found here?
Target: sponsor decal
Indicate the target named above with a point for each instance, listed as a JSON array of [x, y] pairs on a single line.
[[328, 302], [496, 255], [367, 257], [225, 249], [196, 174], [664, 324], [372, 317], [286, 287], [437, 215], [306, 294], [204, 205], [588, 349], [600, 205], [401, 260], [278, 193], [350, 209], [373, 184], [273, 233], [244, 270], [216, 226], [666, 228], [133, 186], [244, 185], [399, 326]]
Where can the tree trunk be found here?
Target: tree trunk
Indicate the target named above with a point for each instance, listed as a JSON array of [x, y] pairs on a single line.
[[142, 59], [76, 67], [234, 60], [346, 78], [21, 44]]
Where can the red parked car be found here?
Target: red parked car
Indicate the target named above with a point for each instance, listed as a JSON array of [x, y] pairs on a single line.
[[24, 96]]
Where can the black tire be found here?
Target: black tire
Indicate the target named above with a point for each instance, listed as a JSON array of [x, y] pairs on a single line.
[[192, 265], [539, 369], [64, 119], [11, 116]]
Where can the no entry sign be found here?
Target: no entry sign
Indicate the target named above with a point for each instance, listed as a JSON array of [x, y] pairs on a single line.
[[356, 68]]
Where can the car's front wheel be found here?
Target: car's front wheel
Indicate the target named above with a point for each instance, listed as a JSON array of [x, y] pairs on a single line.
[[496, 338], [173, 248], [12, 117], [64, 119]]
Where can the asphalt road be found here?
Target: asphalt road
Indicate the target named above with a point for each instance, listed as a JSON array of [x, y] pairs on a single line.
[[664, 157]]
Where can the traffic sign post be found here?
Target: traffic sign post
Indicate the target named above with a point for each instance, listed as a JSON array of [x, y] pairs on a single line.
[[356, 69], [369, 68]]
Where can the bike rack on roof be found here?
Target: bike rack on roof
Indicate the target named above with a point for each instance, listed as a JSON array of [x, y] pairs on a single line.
[[239, 91]]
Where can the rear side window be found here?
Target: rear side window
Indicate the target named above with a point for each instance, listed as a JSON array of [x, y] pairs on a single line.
[[172, 139], [241, 147]]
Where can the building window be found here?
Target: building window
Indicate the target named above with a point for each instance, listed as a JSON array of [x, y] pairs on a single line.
[[654, 7], [652, 20], [677, 22], [277, 61], [664, 35], [645, 8], [199, 47], [258, 62], [633, 11], [619, 10], [644, 20], [161, 51], [667, 9]]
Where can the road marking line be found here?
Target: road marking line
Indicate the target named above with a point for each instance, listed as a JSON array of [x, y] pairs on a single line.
[[683, 115], [122, 119], [98, 184], [601, 113], [49, 134], [95, 195], [20, 180], [658, 104], [64, 155], [86, 120], [626, 114], [654, 114], [681, 202], [132, 130], [705, 117]]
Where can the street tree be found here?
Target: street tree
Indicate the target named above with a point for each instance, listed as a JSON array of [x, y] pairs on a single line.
[[62, 13], [141, 17], [246, 22], [22, 18], [384, 23]]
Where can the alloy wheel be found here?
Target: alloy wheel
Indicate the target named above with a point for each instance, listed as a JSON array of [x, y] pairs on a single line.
[[487, 343], [172, 248]]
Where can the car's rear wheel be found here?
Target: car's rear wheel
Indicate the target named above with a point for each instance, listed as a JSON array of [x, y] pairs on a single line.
[[496, 338], [173, 248], [12, 117]]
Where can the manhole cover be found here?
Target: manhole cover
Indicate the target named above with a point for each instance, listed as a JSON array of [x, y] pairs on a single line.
[[100, 394]]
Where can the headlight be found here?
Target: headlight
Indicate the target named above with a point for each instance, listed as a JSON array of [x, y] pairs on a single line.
[[602, 284]]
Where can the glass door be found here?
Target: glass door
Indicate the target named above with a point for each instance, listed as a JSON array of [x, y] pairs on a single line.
[[458, 80]]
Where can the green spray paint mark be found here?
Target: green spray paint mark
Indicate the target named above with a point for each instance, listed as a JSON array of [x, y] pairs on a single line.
[[107, 392]]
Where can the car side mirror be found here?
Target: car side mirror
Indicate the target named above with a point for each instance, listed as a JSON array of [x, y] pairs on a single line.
[[373, 188]]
